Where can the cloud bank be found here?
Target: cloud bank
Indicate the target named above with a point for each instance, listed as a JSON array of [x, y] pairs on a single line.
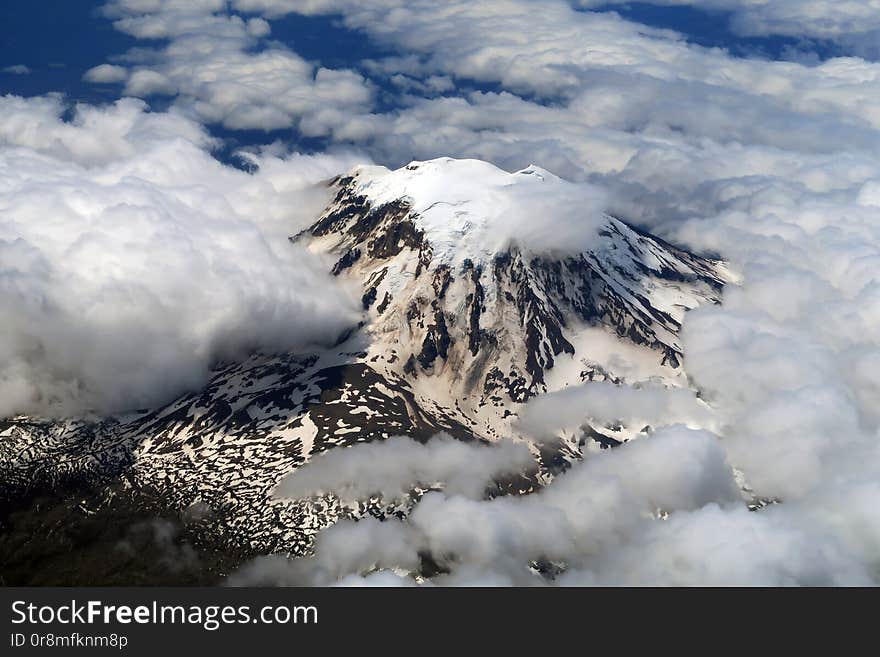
[[131, 260]]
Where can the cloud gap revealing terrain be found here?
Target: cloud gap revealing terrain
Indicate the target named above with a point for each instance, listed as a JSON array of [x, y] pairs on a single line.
[[502, 296]]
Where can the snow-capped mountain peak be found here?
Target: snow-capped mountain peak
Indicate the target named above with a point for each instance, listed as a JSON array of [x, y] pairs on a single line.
[[484, 288], [481, 290], [469, 209]]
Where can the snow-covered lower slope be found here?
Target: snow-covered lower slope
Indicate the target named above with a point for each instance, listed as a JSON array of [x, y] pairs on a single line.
[[481, 289]]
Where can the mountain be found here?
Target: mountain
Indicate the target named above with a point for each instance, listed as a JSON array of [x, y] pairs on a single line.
[[480, 288]]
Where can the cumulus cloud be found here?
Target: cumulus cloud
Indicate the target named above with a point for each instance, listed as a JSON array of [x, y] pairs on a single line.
[[575, 213], [722, 547], [106, 74], [94, 136], [132, 260], [222, 70]]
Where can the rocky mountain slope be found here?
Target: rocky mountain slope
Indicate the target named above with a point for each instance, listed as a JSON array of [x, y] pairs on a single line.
[[468, 312]]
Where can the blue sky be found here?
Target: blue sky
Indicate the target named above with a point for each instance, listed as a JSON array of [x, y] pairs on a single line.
[[58, 41]]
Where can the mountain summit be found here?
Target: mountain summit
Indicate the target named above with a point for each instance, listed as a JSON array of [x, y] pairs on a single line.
[[481, 289], [484, 288]]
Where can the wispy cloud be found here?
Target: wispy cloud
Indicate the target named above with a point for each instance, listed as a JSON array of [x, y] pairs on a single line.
[[17, 69]]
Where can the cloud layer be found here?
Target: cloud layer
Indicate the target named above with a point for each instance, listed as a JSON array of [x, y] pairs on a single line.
[[770, 164], [131, 260]]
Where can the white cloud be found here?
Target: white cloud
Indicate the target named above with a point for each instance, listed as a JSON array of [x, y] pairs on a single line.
[[605, 403], [722, 547], [106, 74], [132, 260], [17, 69], [223, 71], [593, 96], [396, 466], [95, 136], [343, 551], [145, 82], [853, 24]]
